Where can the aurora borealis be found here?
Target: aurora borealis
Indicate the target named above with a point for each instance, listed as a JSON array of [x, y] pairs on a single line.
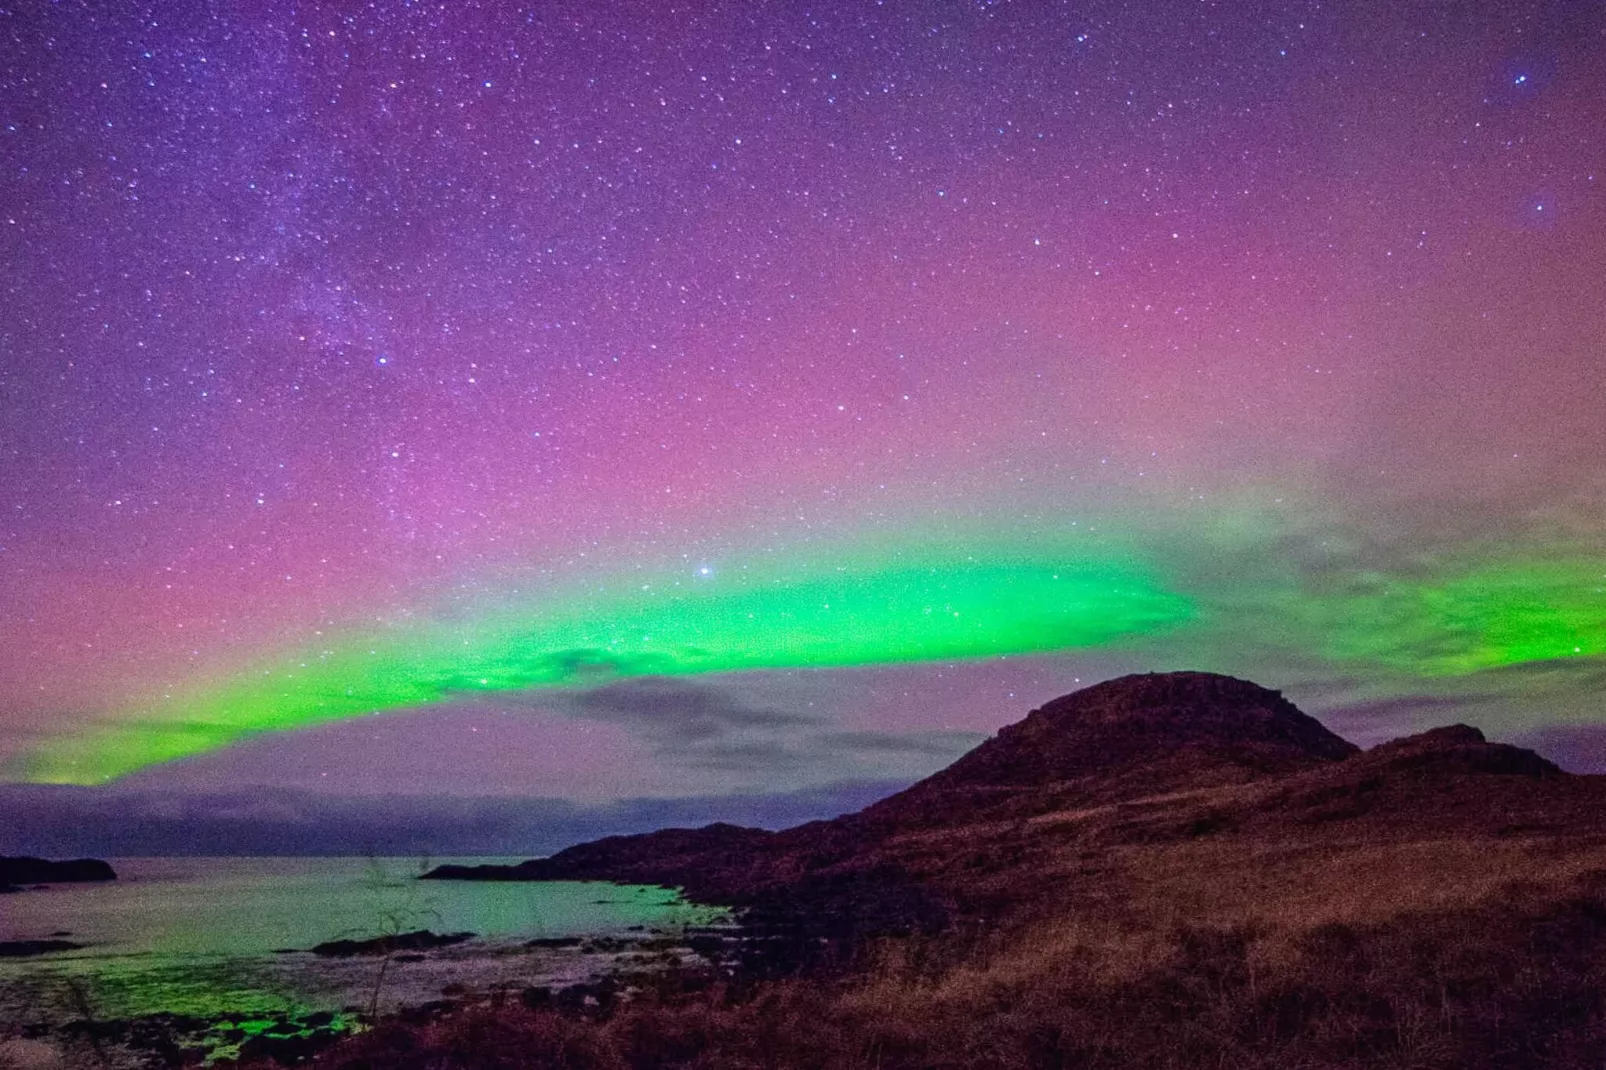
[[929, 614], [836, 381]]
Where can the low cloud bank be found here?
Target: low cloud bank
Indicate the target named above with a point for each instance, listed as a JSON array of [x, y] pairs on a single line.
[[61, 821]]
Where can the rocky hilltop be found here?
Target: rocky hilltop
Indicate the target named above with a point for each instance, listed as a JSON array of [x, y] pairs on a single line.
[[1129, 737]]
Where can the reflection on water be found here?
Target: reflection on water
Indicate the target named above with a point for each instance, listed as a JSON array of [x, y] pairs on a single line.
[[205, 937]]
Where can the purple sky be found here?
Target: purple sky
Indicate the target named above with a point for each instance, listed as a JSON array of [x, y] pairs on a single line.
[[485, 328]]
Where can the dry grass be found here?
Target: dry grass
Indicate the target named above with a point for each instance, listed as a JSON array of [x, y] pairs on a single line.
[[1301, 885], [1411, 956]]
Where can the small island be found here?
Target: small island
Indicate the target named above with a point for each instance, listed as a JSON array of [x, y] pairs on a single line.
[[18, 870]]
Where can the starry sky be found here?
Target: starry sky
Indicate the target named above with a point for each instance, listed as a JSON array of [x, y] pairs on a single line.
[[614, 402]]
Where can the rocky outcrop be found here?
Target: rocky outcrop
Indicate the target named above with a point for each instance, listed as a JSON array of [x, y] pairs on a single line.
[[1126, 738]]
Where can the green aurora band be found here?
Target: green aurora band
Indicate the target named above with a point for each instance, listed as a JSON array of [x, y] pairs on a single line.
[[1491, 615], [1401, 628], [847, 617]]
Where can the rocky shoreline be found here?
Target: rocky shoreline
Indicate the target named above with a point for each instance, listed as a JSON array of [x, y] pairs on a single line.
[[170, 1040], [611, 969]]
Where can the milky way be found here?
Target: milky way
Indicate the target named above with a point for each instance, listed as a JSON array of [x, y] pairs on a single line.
[[887, 366]]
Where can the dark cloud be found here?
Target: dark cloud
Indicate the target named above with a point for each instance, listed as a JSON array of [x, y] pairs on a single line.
[[679, 712], [1578, 748], [60, 821], [714, 726], [708, 727]]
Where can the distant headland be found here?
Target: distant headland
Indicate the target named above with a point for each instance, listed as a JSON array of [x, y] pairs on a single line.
[[16, 871]]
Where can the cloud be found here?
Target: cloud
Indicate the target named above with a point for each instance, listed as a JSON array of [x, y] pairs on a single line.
[[69, 821], [715, 726], [1579, 748], [708, 727], [683, 712], [925, 744]]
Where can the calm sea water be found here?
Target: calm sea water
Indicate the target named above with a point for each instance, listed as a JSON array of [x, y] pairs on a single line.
[[205, 936]]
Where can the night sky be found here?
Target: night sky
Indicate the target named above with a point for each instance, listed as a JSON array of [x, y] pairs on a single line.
[[596, 402]]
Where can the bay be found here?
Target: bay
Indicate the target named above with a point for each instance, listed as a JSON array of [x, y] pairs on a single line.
[[213, 937]]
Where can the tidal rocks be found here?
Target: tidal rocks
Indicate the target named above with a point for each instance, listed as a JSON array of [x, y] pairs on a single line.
[[288, 1048], [173, 1040], [418, 940]]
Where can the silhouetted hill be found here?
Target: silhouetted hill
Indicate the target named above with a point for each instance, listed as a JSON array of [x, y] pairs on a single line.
[[1125, 738], [632, 859]]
